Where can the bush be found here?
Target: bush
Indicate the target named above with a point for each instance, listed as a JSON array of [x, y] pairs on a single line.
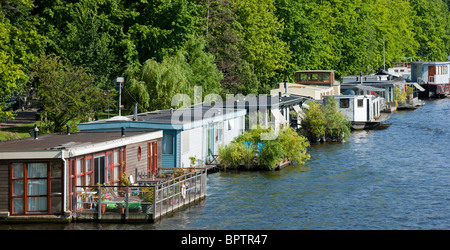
[[325, 121], [250, 151]]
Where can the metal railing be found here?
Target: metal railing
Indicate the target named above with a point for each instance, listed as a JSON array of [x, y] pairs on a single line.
[[147, 201]]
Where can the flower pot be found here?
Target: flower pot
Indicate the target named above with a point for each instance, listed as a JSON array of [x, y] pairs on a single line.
[[103, 208]]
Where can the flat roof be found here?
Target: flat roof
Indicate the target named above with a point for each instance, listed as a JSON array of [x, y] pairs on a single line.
[[73, 141], [259, 101], [314, 71]]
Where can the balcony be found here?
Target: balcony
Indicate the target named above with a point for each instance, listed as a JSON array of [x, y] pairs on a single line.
[[146, 201]]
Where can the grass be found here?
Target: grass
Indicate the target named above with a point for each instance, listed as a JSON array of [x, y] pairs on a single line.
[[16, 132]]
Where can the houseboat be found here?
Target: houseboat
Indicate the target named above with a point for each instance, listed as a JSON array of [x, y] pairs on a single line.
[[310, 84], [364, 111], [267, 110], [434, 77], [401, 69], [195, 131], [43, 176], [384, 85]]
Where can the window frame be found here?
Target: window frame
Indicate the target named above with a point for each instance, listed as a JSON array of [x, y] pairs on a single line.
[[49, 194]]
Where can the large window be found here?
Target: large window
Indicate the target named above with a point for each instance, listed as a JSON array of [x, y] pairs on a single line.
[[36, 188]]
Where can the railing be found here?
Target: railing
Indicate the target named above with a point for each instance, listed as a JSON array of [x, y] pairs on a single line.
[[115, 202], [179, 192], [147, 201]]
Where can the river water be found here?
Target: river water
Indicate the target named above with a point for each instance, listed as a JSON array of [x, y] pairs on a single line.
[[396, 177]]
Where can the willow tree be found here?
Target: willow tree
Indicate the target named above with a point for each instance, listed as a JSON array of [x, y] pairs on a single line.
[[154, 84]]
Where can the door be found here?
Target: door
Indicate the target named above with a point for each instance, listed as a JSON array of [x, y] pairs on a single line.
[[99, 172], [431, 73], [152, 156], [168, 153], [210, 143], [368, 109]]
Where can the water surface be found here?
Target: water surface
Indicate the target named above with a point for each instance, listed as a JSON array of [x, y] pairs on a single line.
[[397, 177]]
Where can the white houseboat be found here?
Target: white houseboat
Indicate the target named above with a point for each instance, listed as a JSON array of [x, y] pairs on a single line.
[[364, 111], [434, 77]]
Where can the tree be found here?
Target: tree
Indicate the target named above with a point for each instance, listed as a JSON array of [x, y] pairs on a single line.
[[65, 92], [227, 45], [20, 44], [337, 124], [155, 84], [263, 49]]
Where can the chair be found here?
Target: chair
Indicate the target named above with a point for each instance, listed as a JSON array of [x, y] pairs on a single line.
[[214, 158]]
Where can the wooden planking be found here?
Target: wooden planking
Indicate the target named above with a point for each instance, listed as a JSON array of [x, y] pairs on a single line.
[[4, 186]]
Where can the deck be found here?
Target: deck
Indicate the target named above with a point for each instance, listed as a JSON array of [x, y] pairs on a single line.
[[144, 202]]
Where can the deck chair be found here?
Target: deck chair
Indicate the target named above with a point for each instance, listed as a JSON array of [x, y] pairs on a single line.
[[213, 156]]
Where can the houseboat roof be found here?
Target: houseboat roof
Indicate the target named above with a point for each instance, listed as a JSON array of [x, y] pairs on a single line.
[[261, 101], [172, 119], [430, 62], [72, 144], [315, 71]]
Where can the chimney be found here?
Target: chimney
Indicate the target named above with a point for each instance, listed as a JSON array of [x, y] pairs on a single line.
[[123, 131], [36, 130], [68, 129], [285, 87]]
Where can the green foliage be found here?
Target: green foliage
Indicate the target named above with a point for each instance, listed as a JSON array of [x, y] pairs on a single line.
[[399, 94], [155, 84], [65, 92], [337, 124], [314, 125], [20, 45], [248, 44], [252, 152], [325, 121]]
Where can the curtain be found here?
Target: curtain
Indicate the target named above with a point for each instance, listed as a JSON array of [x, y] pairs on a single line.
[[37, 170], [37, 186]]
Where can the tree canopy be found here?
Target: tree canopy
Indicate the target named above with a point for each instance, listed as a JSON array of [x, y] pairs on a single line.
[[246, 46]]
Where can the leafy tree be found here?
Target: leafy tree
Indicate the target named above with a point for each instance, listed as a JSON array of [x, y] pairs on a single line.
[[65, 92], [314, 125], [431, 21], [337, 124], [263, 49], [227, 45], [20, 45], [155, 84]]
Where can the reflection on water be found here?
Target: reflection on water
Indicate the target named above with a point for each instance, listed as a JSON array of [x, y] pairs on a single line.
[[397, 177]]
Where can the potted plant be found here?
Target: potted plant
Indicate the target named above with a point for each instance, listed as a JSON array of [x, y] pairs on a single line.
[[193, 162], [146, 196], [120, 208]]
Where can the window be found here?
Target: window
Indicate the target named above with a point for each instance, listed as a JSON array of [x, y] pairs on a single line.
[[89, 172], [360, 103], [168, 144], [344, 103], [116, 165], [139, 153], [36, 188]]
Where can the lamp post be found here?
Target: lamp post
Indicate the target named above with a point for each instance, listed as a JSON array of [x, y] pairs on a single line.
[[120, 80]]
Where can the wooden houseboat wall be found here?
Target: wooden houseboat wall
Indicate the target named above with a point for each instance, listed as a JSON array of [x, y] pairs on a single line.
[[38, 175], [434, 77]]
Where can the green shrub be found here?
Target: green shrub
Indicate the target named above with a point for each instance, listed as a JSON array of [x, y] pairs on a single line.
[[289, 145]]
